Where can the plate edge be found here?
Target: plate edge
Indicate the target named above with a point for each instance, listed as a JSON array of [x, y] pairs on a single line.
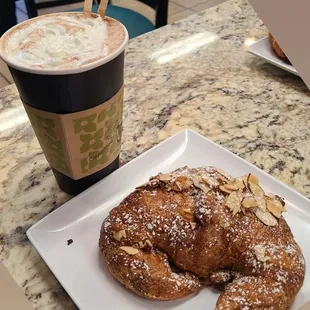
[[185, 132], [273, 62], [182, 132]]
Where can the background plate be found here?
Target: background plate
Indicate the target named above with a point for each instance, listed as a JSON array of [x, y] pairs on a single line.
[[263, 49], [79, 267]]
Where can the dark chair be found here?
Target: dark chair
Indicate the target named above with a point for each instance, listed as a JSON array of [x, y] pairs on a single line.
[[135, 23]]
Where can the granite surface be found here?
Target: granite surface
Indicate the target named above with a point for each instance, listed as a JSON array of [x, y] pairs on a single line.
[[193, 74]]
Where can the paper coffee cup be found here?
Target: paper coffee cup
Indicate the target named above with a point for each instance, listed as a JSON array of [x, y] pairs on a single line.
[[76, 114]]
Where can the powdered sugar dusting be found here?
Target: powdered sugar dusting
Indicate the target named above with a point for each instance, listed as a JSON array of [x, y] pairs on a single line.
[[184, 218]]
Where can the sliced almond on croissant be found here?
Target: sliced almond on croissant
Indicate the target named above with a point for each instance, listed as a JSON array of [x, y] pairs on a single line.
[[249, 202], [119, 235], [239, 184], [270, 196], [233, 202], [261, 203], [266, 218], [275, 207], [165, 177], [250, 178], [253, 179], [223, 173], [201, 185], [225, 190], [260, 253], [130, 250], [259, 194], [233, 186], [184, 182], [236, 209], [256, 190], [228, 188], [212, 182]]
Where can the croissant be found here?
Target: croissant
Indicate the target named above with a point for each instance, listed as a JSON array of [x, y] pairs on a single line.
[[195, 227], [276, 47]]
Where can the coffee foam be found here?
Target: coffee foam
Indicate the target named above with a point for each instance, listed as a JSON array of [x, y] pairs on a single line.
[[61, 41]]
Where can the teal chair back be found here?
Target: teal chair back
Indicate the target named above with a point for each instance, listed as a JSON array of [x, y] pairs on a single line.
[[135, 23]]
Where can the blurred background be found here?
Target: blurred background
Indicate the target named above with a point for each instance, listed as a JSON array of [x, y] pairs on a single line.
[[139, 16]]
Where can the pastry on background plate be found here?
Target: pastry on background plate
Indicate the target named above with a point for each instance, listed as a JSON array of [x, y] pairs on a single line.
[[276, 47], [194, 227]]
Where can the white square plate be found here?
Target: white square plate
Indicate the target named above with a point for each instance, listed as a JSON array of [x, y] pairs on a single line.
[[263, 49], [79, 267]]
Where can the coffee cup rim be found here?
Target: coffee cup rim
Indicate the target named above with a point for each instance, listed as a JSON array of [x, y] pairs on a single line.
[[83, 68]]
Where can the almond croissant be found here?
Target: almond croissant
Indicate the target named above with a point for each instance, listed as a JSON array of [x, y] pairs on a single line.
[[194, 227]]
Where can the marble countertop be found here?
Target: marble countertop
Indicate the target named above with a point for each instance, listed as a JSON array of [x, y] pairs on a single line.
[[193, 74]]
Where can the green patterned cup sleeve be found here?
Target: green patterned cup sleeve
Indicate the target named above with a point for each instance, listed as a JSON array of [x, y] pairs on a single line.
[[80, 144]]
